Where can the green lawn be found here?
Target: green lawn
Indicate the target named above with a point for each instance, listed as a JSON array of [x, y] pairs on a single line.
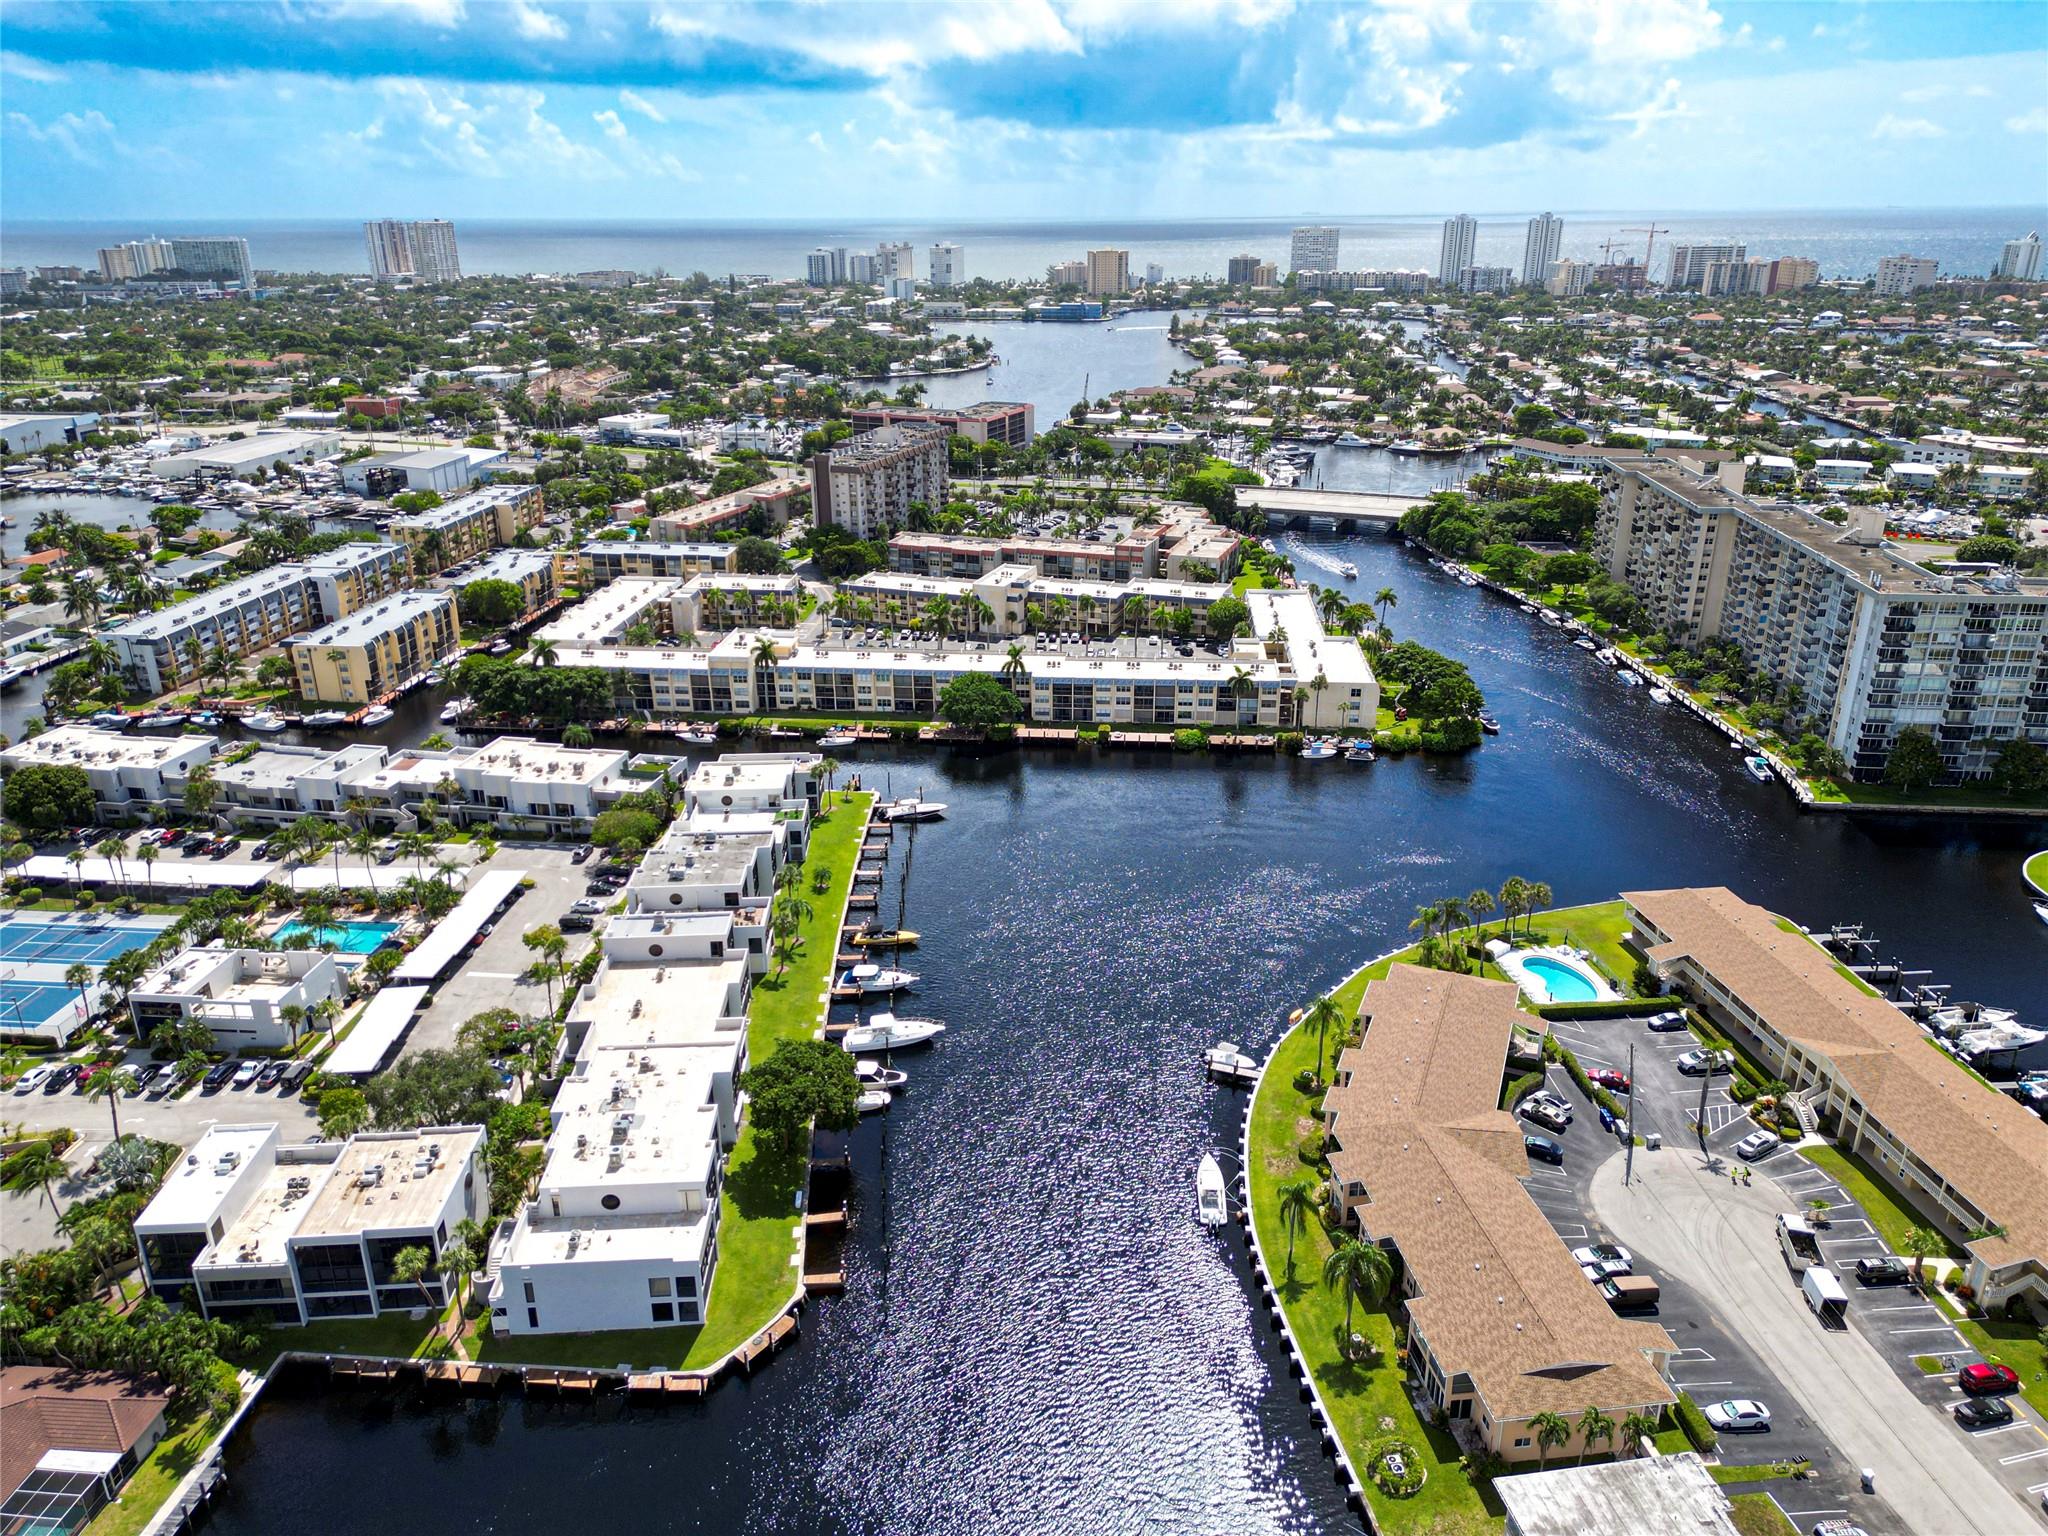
[[2036, 871], [1887, 1210], [1600, 930], [2015, 1344], [1757, 1515], [1762, 1472], [184, 1442]]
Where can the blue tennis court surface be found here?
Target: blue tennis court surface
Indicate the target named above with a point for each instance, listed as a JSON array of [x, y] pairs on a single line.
[[63, 942], [30, 1004]]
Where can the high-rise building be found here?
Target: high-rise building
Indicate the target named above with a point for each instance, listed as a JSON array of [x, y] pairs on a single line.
[[1540, 247], [415, 250], [1155, 274], [13, 280], [949, 265], [1486, 279], [868, 483], [1898, 276], [1568, 279], [1460, 245], [2020, 261], [1788, 274], [1109, 271], [1242, 267], [1689, 262], [894, 258], [840, 264], [136, 258], [818, 268], [903, 288], [1314, 248], [860, 267]]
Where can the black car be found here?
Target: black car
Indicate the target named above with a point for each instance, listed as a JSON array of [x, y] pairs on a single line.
[[1983, 1412], [1884, 1271], [294, 1075], [575, 922], [1543, 1149], [144, 1075], [217, 1077], [62, 1078], [580, 854]]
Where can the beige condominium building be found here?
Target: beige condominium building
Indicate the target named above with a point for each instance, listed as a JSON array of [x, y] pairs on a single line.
[[1873, 643], [1971, 1159], [372, 653], [469, 525], [868, 484], [1502, 1324]]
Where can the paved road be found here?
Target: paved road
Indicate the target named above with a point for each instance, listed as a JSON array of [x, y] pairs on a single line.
[[1683, 1215]]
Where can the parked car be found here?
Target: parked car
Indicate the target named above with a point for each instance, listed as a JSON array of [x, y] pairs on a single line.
[[294, 1075], [217, 1076], [1608, 1078], [1738, 1415], [580, 854], [62, 1077], [272, 1071], [1544, 1115], [1885, 1271], [171, 836], [1543, 1149], [222, 847], [576, 922], [143, 1076], [33, 1079], [1757, 1144], [1556, 1103], [588, 904], [1666, 1023], [1983, 1412], [1608, 1258], [1703, 1062], [1984, 1378], [246, 1072], [163, 1083]]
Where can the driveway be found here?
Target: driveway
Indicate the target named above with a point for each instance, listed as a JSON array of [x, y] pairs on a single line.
[[1683, 1214]]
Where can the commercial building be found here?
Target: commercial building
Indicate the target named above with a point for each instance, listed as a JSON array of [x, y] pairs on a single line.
[[1313, 248], [1568, 279], [32, 434], [1457, 249], [986, 421], [240, 995], [949, 265], [1502, 1326], [491, 518], [254, 1228], [2019, 260], [421, 250], [867, 484], [375, 651], [1872, 642], [246, 458], [1689, 262], [442, 470], [1540, 243], [1900, 276], [1971, 1160], [1108, 271]]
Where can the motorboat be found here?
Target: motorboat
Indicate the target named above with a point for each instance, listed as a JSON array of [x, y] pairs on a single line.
[[1225, 1057], [837, 739], [876, 980], [112, 719], [1212, 1194], [327, 719], [1489, 724], [267, 722], [871, 1101], [1660, 695], [162, 720], [698, 736], [378, 714], [1586, 643], [872, 1074], [913, 810], [1759, 768], [455, 709], [1347, 570], [435, 677], [886, 1032], [1526, 607], [1468, 580], [1351, 440], [500, 648], [1407, 445], [1318, 749], [1628, 679], [1359, 752], [884, 938], [1551, 619]]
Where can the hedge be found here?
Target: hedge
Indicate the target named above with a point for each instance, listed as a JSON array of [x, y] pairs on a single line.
[[1520, 1089], [1626, 1008], [1561, 1052], [1694, 1423]]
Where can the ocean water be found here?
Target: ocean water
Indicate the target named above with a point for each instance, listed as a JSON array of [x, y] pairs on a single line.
[[1846, 243]]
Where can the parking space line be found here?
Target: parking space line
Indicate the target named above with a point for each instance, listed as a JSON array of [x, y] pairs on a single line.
[[1943, 1328], [2006, 1461], [2003, 1429], [1690, 1384], [1691, 1351], [1796, 1515], [1911, 1306]]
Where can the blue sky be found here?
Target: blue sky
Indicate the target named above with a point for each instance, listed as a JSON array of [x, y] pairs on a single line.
[[1011, 108]]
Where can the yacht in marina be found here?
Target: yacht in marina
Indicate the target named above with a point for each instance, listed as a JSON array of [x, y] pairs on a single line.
[[886, 1032]]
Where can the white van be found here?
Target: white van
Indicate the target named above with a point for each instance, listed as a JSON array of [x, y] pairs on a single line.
[[1824, 1296]]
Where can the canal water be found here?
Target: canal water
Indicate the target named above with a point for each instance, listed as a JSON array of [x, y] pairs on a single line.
[[1036, 1336]]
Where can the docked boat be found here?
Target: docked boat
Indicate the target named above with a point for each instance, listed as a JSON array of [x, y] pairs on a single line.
[[886, 1032], [871, 1101], [884, 938], [162, 720], [1318, 749], [1526, 607], [112, 719], [455, 709], [698, 736], [837, 739], [1407, 445], [1225, 1060], [1351, 440], [378, 714], [1660, 695], [1212, 1195], [1759, 768], [918, 809], [327, 719], [435, 677], [1468, 580], [267, 722], [1586, 643], [1489, 724], [1359, 752], [872, 1074], [875, 980], [1551, 619], [501, 648], [1628, 679]]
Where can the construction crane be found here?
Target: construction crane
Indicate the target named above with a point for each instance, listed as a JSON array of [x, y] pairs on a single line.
[[1648, 245]]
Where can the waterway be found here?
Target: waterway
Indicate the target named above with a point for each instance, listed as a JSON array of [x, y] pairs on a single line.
[[1036, 1336]]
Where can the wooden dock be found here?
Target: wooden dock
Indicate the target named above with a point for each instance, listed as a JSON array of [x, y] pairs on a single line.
[[347, 1369], [567, 1383], [669, 1384], [463, 1376], [1048, 735], [1140, 739], [865, 901], [766, 1342]]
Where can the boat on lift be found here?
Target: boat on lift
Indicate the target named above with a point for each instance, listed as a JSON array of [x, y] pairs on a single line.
[[455, 709], [838, 739], [1318, 749], [917, 809], [327, 719], [871, 1101], [885, 938], [1759, 768], [267, 722], [872, 1074]]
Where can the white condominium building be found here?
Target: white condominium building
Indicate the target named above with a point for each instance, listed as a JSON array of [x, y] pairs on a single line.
[[2020, 260], [127, 772], [1539, 248], [868, 483], [949, 265], [1900, 276], [1313, 248], [1459, 247], [1568, 279], [1689, 262], [422, 250]]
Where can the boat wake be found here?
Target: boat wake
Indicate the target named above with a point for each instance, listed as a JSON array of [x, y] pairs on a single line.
[[1323, 561]]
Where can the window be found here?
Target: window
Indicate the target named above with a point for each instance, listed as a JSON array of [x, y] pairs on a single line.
[[529, 1292], [655, 950], [658, 1286], [1521, 1442], [686, 1285], [664, 1311], [532, 1317]]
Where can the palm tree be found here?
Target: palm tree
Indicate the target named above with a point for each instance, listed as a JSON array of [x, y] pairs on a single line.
[[364, 846], [1637, 1431], [1514, 900], [1297, 1206], [1385, 599], [1922, 1244], [1013, 669], [542, 653], [148, 854], [79, 975], [1324, 1014], [1538, 895], [111, 849], [1479, 904], [1593, 1425], [36, 1166], [1551, 1429], [415, 1265], [1362, 1271], [109, 1083]]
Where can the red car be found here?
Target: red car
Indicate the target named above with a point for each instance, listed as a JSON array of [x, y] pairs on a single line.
[[1984, 1377], [1608, 1078]]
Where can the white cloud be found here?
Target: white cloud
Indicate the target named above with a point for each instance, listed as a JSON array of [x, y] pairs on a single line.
[[87, 137], [34, 71], [2035, 121], [610, 122], [887, 41], [816, 140], [643, 106], [537, 25], [445, 14], [1901, 129]]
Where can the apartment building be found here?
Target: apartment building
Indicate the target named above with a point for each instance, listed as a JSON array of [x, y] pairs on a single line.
[[1107, 272], [773, 501], [1689, 263], [1873, 643], [868, 483], [949, 265], [2019, 261], [532, 571], [607, 560], [1242, 269], [254, 1228], [988, 421], [128, 774], [1009, 598], [1502, 1326], [1964, 1154], [1568, 279], [1313, 248], [458, 530], [421, 250], [609, 613], [374, 651], [1900, 277], [514, 782], [239, 994], [714, 602], [1540, 243], [1457, 249], [1486, 280], [960, 555]]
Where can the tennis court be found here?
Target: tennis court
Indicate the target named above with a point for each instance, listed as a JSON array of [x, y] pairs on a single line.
[[65, 942], [31, 1004]]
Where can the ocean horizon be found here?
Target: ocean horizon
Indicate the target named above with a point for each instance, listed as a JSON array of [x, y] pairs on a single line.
[[1847, 243]]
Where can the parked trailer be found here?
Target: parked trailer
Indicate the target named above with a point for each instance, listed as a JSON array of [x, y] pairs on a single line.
[[1825, 1297]]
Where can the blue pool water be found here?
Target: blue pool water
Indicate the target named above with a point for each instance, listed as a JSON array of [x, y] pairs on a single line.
[[344, 938], [1564, 984]]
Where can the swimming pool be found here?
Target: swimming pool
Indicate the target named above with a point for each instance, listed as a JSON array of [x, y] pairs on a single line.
[[1556, 973], [1561, 981], [345, 938]]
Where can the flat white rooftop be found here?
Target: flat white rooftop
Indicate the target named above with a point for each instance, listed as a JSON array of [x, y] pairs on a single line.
[[86, 746], [452, 934], [197, 1183], [378, 1027]]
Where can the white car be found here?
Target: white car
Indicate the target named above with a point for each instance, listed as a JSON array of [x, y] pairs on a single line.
[[32, 1079], [1738, 1415], [1704, 1062], [1756, 1144], [592, 905], [1607, 1258]]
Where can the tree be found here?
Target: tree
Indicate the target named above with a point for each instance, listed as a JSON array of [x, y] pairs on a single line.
[[1297, 1208], [79, 976], [343, 1112], [108, 1084], [1991, 548], [1551, 1429], [414, 1265], [1594, 1425], [1922, 1244], [1325, 1015], [805, 1082], [147, 855], [541, 653], [36, 1166], [547, 941], [756, 557], [2020, 768], [978, 701], [46, 796], [623, 824], [1362, 1271], [1479, 904], [492, 603], [1386, 599], [1637, 1430], [1914, 761], [434, 1087], [1225, 615]]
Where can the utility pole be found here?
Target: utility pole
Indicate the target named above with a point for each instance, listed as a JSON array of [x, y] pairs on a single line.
[[1706, 1077], [1628, 1161]]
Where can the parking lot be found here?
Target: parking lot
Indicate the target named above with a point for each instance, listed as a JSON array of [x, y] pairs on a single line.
[[1846, 1399]]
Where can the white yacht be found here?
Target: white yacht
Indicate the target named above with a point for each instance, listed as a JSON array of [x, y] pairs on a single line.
[[876, 980], [918, 809], [871, 1100], [327, 718], [267, 721], [455, 709], [1224, 1056], [886, 1032], [838, 739], [1212, 1195], [377, 714], [872, 1074], [1351, 440]]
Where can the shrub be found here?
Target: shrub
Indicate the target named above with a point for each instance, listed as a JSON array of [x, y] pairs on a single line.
[[86, 898], [1741, 1090], [1412, 1473], [1621, 1008], [1188, 739], [1644, 982], [31, 894], [1698, 1432], [1520, 1089], [1312, 1148]]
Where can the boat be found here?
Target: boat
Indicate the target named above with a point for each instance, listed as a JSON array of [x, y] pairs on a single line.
[[913, 810], [1468, 580], [1628, 679], [326, 719], [1359, 752], [162, 720], [1225, 1058], [435, 677], [1587, 643], [884, 938], [872, 1074], [871, 1101], [1660, 695], [698, 736], [1212, 1195], [1759, 768], [112, 719], [1489, 724], [1551, 619], [876, 980], [1526, 607], [376, 714], [266, 721], [1351, 440], [838, 739], [1407, 445], [455, 709], [886, 1032], [1317, 749], [1347, 570]]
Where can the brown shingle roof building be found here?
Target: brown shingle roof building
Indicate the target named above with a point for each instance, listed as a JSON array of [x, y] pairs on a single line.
[[1502, 1323], [1960, 1150], [45, 1409]]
